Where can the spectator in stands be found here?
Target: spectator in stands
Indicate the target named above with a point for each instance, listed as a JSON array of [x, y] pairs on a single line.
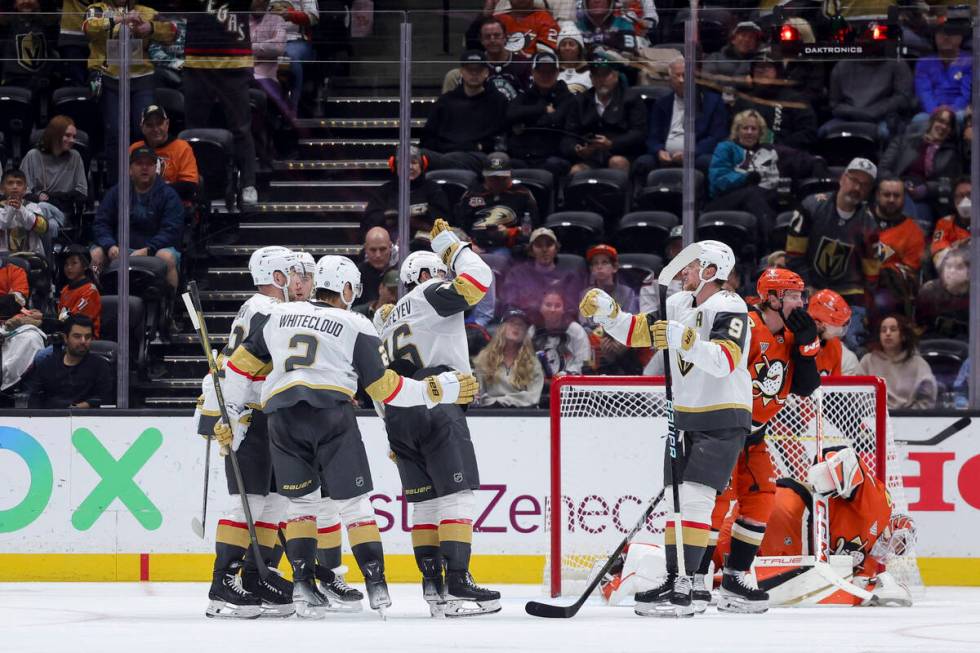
[[878, 91], [953, 229], [23, 227], [427, 201], [923, 159], [792, 121], [13, 281], [526, 281], [610, 124], [379, 256], [611, 357], [386, 293], [301, 17], [215, 71], [604, 24], [27, 42], [79, 295], [508, 72], [534, 29], [499, 202], [56, 173], [168, 58], [744, 172], [156, 217], [833, 243], [538, 117], [562, 345], [732, 65], [603, 263], [902, 247], [75, 378], [102, 23], [943, 305], [466, 121], [895, 358], [268, 31], [946, 78], [72, 44], [573, 65], [665, 140], [176, 163], [20, 342], [509, 372]]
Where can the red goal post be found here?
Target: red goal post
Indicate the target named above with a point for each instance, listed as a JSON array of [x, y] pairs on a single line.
[[607, 457]]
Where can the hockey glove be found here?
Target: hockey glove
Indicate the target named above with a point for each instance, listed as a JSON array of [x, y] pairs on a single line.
[[599, 306], [445, 243], [451, 388], [381, 315], [804, 331], [673, 335], [233, 435]]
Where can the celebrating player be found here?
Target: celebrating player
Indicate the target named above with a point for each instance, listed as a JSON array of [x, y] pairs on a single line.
[[273, 270], [318, 351], [424, 334], [707, 334], [781, 360]]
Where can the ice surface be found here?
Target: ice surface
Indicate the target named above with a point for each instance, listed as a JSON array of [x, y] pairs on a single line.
[[169, 617]]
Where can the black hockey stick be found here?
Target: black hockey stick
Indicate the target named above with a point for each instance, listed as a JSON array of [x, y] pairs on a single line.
[[197, 525], [537, 609], [945, 434], [192, 300]]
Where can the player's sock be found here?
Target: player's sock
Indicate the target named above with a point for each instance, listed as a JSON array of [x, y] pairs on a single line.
[[425, 544], [365, 544], [301, 546], [709, 553], [695, 543], [456, 543], [231, 542], [267, 535], [328, 542], [746, 539]]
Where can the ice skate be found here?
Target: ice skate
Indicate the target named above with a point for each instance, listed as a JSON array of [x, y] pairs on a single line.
[[309, 601], [377, 588], [340, 596], [275, 592], [700, 594], [739, 593], [464, 598], [433, 587], [229, 600], [671, 599]]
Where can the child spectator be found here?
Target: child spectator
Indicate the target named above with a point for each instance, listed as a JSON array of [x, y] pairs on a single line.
[[509, 372], [603, 263], [56, 173], [894, 357], [23, 227], [79, 295]]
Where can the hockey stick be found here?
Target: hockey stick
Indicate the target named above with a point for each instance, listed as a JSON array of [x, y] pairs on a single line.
[[684, 258], [821, 517], [192, 300], [537, 609], [945, 434], [197, 525]]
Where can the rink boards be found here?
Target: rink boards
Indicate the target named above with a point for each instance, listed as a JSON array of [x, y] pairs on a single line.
[[112, 497]]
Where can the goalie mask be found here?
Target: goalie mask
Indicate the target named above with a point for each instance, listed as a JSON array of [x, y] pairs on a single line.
[[417, 262], [718, 254], [334, 273], [838, 474]]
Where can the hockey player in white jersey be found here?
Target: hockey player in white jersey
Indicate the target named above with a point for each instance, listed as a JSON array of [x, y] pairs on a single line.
[[273, 270], [318, 352], [707, 334], [424, 334]]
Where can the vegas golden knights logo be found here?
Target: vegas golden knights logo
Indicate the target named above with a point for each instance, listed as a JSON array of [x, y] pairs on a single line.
[[832, 257], [31, 51], [682, 364]]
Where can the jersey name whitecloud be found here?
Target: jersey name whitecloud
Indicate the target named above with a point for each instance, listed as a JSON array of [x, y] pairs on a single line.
[[312, 322]]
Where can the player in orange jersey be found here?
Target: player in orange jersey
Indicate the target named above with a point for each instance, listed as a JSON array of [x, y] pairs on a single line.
[[832, 315], [782, 354]]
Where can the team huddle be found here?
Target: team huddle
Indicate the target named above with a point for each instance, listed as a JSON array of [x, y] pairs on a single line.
[[297, 355]]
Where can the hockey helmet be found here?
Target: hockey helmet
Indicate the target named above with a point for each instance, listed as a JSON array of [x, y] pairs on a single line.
[[334, 273], [838, 474], [416, 262], [830, 308], [778, 280], [306, 260], [266, 261], [718, 254]]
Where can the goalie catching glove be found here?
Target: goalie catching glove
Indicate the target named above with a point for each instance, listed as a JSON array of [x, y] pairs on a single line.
[[231, 436], [451, 388]]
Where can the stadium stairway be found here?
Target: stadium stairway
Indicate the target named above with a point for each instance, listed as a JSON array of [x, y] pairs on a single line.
[[312, 202]]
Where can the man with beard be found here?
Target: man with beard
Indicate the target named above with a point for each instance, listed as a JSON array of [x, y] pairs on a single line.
[[902, 244], [73, 379], [509, 73], [499, 201], [427, 201]]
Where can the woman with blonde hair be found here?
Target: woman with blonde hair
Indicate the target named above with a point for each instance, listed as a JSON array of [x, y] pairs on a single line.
[[509, 372]]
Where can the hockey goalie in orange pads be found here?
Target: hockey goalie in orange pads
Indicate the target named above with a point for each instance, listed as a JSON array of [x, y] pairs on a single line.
[[862, 526]]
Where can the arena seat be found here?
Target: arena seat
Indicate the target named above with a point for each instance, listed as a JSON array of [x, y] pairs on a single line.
[[737, 229], [644, 232], [664, 191], [541, 183], [16, 119], [172, 102], [576, 230], [214, 151], [634, 268], [848, 140], [453, 182], [604, 191]]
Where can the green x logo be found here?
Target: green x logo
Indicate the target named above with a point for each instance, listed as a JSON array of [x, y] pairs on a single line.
[[117, 479]]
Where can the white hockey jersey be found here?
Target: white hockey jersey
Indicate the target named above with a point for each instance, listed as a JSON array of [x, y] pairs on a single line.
[[711, 383], [427, 327]]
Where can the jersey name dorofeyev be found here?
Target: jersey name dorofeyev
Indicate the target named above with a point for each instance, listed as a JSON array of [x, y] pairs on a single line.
[[312, 322]]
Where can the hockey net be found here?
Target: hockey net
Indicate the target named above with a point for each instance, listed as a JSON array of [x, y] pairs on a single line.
[[607, 444]]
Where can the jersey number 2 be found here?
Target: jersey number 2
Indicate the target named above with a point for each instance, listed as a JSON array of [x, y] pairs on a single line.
[[309, 344]]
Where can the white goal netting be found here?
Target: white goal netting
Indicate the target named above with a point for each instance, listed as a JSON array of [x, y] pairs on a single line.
[[607, 437]]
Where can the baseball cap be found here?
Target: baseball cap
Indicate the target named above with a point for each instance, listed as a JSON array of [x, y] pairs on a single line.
[[677, 231], [390, 278], [599, 60], [542, 231], [516, 313], [748, 25], [153, 109], [607, 250], [498, 165], [142, 152], [473, 57], [77, 250], [862, 165], [544, 59]]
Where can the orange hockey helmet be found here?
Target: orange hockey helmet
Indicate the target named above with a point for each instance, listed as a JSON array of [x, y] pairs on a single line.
[[830, 308], [778, 280]]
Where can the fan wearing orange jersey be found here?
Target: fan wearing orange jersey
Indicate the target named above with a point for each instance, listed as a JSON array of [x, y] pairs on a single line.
[[832, 315], [529, 29], [784, 345]]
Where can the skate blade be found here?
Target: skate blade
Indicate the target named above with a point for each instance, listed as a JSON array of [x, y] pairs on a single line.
[[277, 610], [437, 608], [345, 607], [878, 602], [456, 608], [664, 610], [700, 607], [739, 605], [222, 610], [307, 611]]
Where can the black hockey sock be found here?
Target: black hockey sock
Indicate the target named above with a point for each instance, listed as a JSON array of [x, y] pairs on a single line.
[[268, 539], [709, 553], [365, 544], [746, 539], [278, 550], [425, 543], [328, 547], [695, 542], [301, 547], [455, 543], [231, 542]]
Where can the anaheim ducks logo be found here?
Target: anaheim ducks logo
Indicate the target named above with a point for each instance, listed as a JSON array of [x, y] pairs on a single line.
[[495, 217], [31, 51], [832, 257], [770, 377]]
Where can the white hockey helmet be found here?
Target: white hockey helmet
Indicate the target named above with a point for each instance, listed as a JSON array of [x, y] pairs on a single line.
[[416, 262], [266, 261], [334, 273], [718, 254], [306, 259]]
